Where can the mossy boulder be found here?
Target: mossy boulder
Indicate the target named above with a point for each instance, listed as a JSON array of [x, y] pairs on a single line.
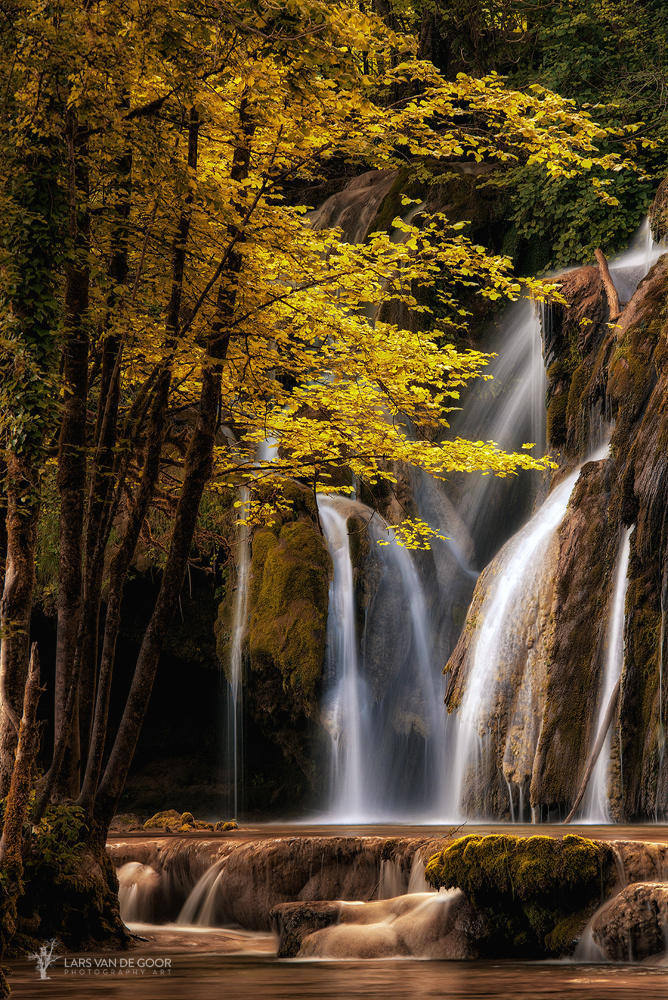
[[170, 820], [222, 826], [126, 823], [534, 894]]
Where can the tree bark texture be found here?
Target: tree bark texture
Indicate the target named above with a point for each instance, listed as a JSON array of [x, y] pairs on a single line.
[[72, 449], [16, 603]]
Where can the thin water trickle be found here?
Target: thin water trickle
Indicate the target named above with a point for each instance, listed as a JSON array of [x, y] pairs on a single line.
[[239, 625], [596, 807], [630, 267]]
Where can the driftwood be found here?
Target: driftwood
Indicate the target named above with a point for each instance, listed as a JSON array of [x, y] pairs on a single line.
[[598, 746], [614, 307]]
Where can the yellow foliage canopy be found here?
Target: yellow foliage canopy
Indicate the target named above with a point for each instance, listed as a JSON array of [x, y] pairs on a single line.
[[280, 90]]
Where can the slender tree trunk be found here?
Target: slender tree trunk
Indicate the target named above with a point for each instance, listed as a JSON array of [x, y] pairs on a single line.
[[72, 451], [3, 521], [16, 808], [16, 604], [16, 811]]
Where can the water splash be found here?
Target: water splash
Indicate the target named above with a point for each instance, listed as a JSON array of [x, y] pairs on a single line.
[[139, 892], [596, 805]]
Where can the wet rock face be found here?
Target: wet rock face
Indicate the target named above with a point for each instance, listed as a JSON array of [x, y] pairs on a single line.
[[632, 926], [292, 922], [658, 213], [576, 632], [354, 209]]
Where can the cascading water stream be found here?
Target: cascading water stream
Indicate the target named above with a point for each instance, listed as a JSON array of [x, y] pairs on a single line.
[[630, 267], [425, 682], [342, 711], [520, 565], [235, 705], [596, 808], [508, 409], [387, 741]]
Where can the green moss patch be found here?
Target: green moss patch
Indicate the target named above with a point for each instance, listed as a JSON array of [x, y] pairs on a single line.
[[534, 895], [289, 597]]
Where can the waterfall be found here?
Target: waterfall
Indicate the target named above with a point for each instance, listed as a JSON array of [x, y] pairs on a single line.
[[416, 688], [509, 409], [342, 710], [630, 267], [139, 892], [518, 569], [383, 702], [596, 804]]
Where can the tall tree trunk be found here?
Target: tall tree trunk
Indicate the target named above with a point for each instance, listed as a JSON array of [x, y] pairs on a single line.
[[3, 521], [72, 450], [198, 466], [117, 575], [16, 604]]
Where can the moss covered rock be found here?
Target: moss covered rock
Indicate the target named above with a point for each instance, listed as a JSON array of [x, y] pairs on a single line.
[[167, 819], [289, 607], [534, 894]]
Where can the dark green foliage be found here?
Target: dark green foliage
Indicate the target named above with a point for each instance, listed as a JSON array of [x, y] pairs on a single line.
[[534, 894], [30, 238], [613, 56]]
